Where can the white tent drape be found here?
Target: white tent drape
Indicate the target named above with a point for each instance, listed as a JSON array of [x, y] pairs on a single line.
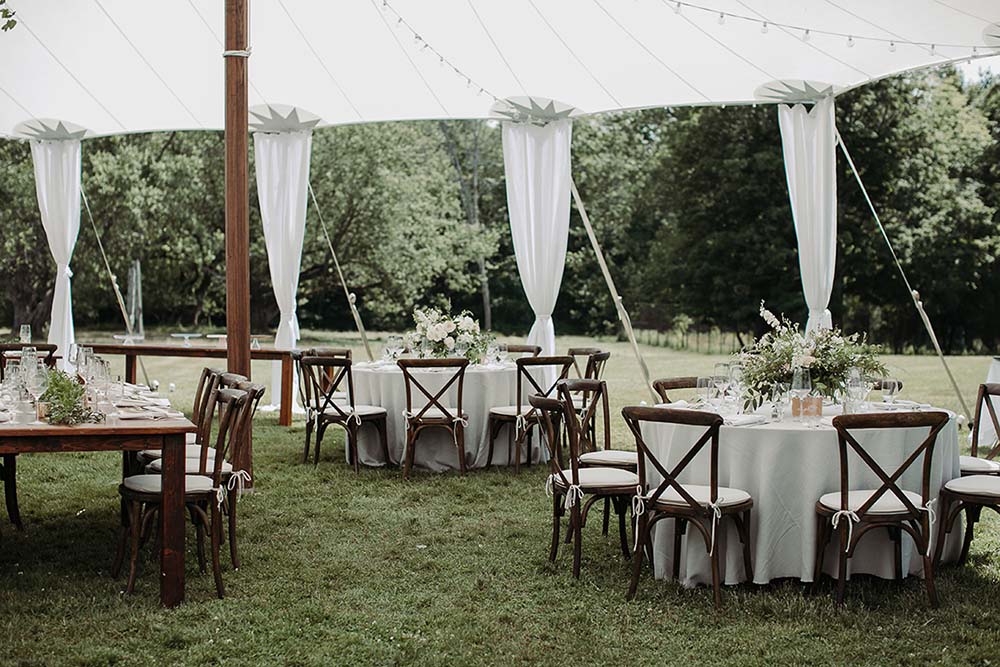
[[537, 168], [57, 184], [808, 140], [282, 163]]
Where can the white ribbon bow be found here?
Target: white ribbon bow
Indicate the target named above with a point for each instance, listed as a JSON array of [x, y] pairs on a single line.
[[716, 508], [520, 423], [237, 480], [852, 518], [638, 509], [932, 517]]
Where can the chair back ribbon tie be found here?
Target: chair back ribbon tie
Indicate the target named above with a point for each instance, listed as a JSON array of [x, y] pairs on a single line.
[[638, 509], [931, 518], [852, 518], [716, 509], [237, 481]]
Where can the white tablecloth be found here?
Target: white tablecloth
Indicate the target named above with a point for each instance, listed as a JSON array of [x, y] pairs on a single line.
[[786, 467], [988, 434], [486, 387]]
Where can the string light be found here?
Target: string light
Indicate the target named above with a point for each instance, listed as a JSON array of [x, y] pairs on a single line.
[[426, 46], [807, 32]]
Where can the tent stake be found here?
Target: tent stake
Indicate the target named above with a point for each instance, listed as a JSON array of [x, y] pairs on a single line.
[[619, 306], [914, 294], [351, 298]]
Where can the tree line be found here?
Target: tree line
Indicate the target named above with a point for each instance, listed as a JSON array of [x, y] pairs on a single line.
[[691, 207]]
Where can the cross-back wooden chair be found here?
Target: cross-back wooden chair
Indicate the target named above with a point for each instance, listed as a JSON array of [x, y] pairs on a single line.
[[8, 463], [431, 409], [302, 386], [979, 486], [321, 379], [704, 506], [583, 364], [988, 464], [575, 488], [202, 394], [854, 512], [663, 385], [204, 494], [521, 417], [530, 350], [880, 383]]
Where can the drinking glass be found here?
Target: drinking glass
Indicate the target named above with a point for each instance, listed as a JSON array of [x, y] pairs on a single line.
[[36, 381], [492, 351], [25, 333], [736, 385], [394, 346], [705, 387], [889, 390], [801, 387], [779, 401], [461, 349], [502, 353]]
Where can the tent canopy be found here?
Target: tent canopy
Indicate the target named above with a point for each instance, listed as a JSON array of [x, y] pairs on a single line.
[[118, 66]]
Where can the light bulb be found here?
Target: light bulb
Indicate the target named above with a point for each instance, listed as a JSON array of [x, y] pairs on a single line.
[[892, 47], [850, 41], [677, 8], [975, 51], [763, 28], [722, 18], [385, 5], [805, 35]]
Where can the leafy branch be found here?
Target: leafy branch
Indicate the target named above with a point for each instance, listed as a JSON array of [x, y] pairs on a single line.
[[7, 16]]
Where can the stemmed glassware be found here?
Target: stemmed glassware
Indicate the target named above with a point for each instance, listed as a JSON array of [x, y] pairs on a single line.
[[25, 334], [801, 388], [502, 353], [394, 347], [705, 387], [736, 385], [889, 390], [720, 379], [36, 381]]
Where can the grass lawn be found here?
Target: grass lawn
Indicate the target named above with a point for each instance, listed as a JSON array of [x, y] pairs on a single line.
[[364, 569]]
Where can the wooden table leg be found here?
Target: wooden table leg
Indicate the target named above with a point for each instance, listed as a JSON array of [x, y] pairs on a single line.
[[130, 364], [285, 412], [172, 522]]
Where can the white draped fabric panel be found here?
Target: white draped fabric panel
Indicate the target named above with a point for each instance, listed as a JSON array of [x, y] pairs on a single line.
[[57, 184], [282, 163], [808, 139], [537, 168]]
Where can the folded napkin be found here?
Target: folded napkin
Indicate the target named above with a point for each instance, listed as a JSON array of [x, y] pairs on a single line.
[[899, 406], [745, 420], [4, 416]]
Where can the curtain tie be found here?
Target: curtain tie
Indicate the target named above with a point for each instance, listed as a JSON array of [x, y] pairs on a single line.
[[852, 518], [237, 480], [68, 272]]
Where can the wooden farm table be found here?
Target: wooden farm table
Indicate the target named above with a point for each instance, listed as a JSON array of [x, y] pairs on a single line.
[[167, 435], [132, 352]]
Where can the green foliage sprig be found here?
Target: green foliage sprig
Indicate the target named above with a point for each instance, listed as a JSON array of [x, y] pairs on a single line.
[[829, 355], [66, 399], [7, 16]]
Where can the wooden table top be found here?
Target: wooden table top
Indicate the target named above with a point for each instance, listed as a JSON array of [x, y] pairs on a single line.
[[181, 350], [123, 427]]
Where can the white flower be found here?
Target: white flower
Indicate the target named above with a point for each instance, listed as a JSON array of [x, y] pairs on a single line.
[[465, 338], [449, 342], [769, 317], [466, 323], [449, 325], [803, 361]]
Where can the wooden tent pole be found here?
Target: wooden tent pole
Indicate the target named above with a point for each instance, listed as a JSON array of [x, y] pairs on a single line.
[[236, 56]]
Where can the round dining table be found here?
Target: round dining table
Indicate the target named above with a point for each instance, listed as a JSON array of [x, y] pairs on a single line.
[[786, 466], [485, 387]]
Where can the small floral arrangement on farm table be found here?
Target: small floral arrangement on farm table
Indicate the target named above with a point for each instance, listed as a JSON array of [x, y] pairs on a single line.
[[438, 334], [66, 401], [827, 353]]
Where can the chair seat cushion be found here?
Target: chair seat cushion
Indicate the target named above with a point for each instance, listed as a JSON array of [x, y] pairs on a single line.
[[610, 457], [600, 478], [971, 464], [976, 485], [510, 410], [887, 504], [435, 413], [702, 495], [191, 466], [361, 410], [190, 451], [151, 483]]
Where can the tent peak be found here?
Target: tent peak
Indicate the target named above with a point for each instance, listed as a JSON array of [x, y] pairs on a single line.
[[274, 118], [795, 91], [50, 129], [533, 110]]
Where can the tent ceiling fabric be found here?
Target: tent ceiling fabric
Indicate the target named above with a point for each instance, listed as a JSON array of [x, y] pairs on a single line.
[[117, 66]]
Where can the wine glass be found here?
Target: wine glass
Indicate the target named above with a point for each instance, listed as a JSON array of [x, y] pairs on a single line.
[[36, 381], [394, 345], [461, 348], [25, 334], [801, 388], [721, 381], [491, 353], [502, 353], [704, 386], [736, 385], [779, 401], [889, 390]]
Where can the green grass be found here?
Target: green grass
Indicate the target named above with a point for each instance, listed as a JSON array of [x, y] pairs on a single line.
[[444, 570]]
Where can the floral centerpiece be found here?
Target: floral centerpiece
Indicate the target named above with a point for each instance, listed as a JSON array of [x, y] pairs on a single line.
[[829, 355], [438, 334]]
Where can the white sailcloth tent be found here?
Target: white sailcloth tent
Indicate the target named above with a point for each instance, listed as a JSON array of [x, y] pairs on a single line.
[[121, 66]]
